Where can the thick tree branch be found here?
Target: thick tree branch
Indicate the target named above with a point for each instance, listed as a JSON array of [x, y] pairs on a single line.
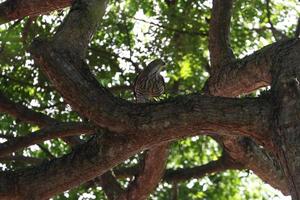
[[59, 130], [83, 14], [256, 70], [247, 74], [252, 156], [86, 96], [242, 77], [232, 77], [149, 175], [18, 9], [62, 62], [219, 47], [86, 162]]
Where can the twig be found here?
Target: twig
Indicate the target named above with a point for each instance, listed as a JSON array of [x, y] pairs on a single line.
[[190, 32], [278, 35]]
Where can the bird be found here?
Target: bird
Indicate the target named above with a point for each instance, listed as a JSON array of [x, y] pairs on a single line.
[[149, 83]]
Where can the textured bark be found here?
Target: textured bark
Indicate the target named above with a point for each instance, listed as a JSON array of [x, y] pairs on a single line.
[[191, 112], [286, 93], [115, 110], [149, 175], [220, 52], [235, 77], [247, 74], [18, 9], [231, 80], [270, 168], [90, 160], [252, 156]]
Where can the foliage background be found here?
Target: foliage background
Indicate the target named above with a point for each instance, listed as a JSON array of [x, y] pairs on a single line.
[[132, 33]]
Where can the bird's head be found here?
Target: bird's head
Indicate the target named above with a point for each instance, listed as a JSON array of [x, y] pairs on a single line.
[[156, 66]]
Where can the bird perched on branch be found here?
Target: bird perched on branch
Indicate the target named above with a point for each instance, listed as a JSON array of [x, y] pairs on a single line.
[[149, 83]]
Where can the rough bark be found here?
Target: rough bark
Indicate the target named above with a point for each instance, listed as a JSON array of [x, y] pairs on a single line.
[[220, 52], [243, 76], [18, 9], [191, 112], [94, 158], [149, 175], [251, 156], [286, 93]]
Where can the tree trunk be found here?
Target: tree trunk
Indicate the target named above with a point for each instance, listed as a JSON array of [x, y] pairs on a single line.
[[286, 98]]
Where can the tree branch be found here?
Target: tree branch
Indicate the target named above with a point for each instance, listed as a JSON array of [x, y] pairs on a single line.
[[247, 74], [23, 113], [98, 105], [21, 159], [257, 159], [219, 48], [83, 14], [185, 174], [92, 159], [72, 79], [110, 186], [51, 132], [18, 9], [149, 175], [242, 77]]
